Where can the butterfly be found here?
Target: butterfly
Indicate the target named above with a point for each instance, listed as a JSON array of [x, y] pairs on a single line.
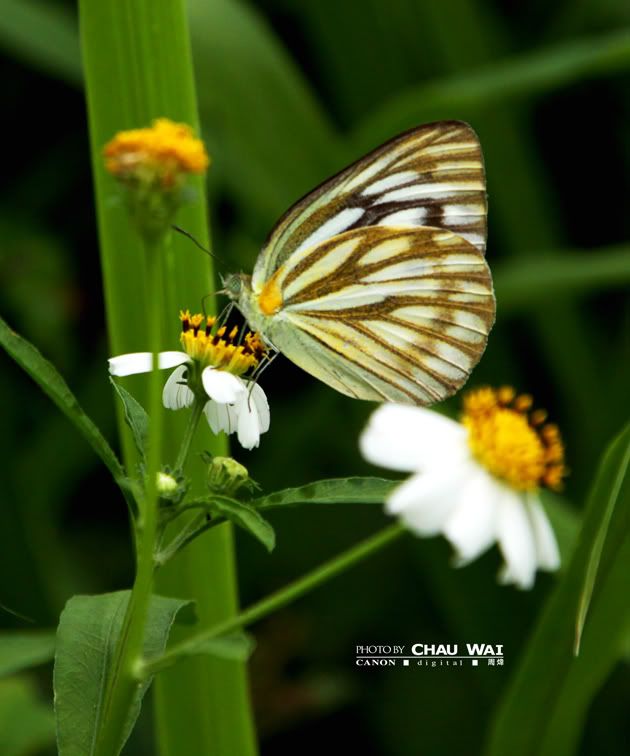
[[376, 281]]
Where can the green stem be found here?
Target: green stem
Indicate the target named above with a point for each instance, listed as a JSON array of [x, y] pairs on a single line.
[[188, 533], [189, 434], [280, 598], [123, 682]]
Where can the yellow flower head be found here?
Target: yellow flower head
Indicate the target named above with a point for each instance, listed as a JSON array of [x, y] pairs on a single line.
[[513, 441], [208, 345], [162, 154]]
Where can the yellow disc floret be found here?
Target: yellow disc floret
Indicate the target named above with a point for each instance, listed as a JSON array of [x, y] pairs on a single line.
[[214, 346], [163, 153], [512, 441]]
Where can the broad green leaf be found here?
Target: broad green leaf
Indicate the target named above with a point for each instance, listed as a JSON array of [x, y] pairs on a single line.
[[27, 723], [334, 491], [246, 517], [52, 384], [140, 51], [544, 708], [20, 650], [88, 631], [135, 417]]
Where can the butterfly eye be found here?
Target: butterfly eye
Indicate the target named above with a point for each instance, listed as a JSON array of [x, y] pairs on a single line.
[[233, 285]]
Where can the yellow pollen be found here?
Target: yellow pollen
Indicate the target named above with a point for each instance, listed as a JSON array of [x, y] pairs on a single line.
[[508, 440], [166, 149], [218, 349]]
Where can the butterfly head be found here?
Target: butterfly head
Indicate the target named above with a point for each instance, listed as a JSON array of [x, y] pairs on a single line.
[[233, 285]]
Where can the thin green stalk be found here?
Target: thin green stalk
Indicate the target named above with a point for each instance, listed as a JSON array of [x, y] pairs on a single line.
[[188, 533], [193, 422], [123, 681], [280, 598]]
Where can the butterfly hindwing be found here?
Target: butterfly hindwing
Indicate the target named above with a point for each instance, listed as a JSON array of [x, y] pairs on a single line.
[[431, 176], [378, 313]]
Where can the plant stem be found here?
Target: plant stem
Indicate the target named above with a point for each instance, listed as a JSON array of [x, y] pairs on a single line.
[[276, 600], [189, 433], [189, 532], [123, 682]]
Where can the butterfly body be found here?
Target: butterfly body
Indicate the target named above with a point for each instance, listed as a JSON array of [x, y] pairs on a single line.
[[376, 282]]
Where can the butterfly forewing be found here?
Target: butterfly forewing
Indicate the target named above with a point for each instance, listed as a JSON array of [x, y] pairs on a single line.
[[386, 314], [432, 176]]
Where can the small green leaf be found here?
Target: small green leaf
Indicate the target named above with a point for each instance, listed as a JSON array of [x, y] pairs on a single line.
[[236, 646], [21, 650], [543, 714], [246, 517], [334, 491], [88, 631], [27, 724], [135, 417], [52, 384]]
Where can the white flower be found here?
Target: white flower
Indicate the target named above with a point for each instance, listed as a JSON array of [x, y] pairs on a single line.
[[476, 482], [235, 404]]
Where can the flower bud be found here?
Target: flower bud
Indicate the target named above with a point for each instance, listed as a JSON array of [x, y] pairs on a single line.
[[226, 476], [152, 165]]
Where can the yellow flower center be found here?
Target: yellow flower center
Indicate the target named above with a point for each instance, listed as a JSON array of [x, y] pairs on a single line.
[[162, 153], [206, 344], [511, 440]]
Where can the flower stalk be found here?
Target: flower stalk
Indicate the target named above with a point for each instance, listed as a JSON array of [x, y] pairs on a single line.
[[123, 682], [277, 600]]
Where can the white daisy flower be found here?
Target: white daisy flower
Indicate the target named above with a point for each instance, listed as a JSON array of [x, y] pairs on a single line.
[[476, 481], [212, 366]]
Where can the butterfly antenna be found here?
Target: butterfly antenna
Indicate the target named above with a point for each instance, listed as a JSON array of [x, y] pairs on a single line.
[[188, 235]]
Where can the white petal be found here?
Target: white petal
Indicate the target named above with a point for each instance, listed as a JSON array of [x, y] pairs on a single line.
[[472, 525], [221, 417], [176, 393], [259, 399], [547, 553], [141, 362], [223, 387], [248, 423], [516, 540], [425, 501], [411, 438]]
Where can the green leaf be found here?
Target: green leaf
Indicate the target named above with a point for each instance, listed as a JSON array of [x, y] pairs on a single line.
[[613, 479], [27, 724], [524, 284], [246, 517], [237, 646], [334, 491], [88, 631], [530, 73], [542, 714], [43, 34], [237, 57], [135, 417], [20, 650], [52, 384]]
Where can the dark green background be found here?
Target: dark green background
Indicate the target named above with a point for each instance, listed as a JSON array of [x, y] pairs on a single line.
[[289, 93]]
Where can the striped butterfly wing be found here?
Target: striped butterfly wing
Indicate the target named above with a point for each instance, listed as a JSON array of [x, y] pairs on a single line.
[[432, 176], [380, 313]]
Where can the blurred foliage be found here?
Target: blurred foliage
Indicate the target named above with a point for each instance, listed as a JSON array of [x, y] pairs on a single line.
[[289, 93]]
